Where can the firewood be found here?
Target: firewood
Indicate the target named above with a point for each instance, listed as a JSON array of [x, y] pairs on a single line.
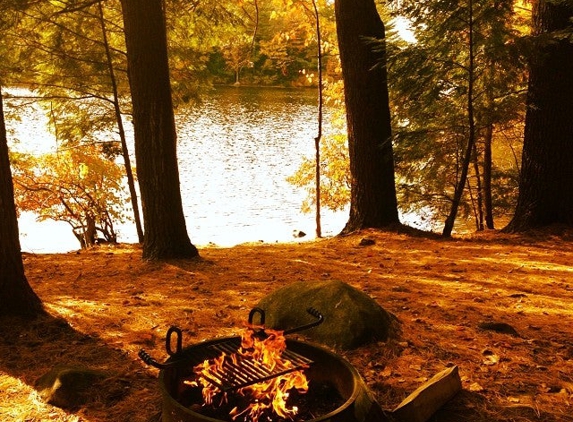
[[429, 397]]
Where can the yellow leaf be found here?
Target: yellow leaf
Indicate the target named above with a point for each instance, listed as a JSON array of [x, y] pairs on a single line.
[[475, 387], [83, 170]]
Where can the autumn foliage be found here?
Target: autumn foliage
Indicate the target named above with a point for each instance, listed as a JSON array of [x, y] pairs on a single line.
[[79, 185]]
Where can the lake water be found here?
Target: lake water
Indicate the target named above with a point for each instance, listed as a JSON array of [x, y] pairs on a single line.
[[235, 152]]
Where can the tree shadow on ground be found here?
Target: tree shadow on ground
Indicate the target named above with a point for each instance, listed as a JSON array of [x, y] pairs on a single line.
[[468, 405], [441, 291], [30, 348]]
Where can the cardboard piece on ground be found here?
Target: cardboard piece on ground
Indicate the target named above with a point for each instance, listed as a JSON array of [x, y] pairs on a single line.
[[429, 397]]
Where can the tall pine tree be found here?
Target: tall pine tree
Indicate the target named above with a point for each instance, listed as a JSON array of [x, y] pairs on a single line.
[[16, 295], [154, 130], [373, 201], [546, 178], [463, 78]]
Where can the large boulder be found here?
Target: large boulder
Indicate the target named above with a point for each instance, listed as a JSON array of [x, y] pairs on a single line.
[[351, 317]]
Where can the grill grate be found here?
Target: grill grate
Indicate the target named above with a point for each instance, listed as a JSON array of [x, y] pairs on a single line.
[[239, 371]]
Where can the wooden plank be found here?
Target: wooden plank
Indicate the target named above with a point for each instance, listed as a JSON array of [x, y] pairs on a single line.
[[429, 397]]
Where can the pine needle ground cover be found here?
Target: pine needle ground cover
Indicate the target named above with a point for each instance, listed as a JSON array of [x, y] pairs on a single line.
[[499, 307]]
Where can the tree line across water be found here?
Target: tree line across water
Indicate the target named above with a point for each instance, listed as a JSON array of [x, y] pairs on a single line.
[[433, 125]]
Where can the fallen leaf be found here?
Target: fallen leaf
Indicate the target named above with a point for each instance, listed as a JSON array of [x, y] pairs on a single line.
[[386, 372], [492, 359]]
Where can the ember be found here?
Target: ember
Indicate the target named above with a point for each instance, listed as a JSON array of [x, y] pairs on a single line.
[[260, 352]]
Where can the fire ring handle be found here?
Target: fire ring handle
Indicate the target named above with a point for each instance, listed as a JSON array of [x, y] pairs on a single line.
[[144, 356], [178, 344], [261, 313], [312, 311]]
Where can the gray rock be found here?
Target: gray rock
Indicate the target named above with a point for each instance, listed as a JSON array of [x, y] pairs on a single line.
[[70, 387], [351, 317]]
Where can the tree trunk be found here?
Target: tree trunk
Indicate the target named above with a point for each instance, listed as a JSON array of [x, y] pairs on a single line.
[[16, 295], [373, 192], [479, 188], [154, 130], [487, 149], [449, 224], [118, 117], [487, 175], [320, 118], [546, 177]]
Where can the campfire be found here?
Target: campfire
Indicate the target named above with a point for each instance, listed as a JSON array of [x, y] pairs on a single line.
[[261, 376], [262, 372]]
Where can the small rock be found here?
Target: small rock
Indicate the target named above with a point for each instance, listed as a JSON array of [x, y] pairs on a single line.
[[499, 327], [69, 387], [367, 241]]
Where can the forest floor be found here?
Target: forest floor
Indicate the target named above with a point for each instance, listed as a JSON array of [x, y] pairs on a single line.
[[115, 303]]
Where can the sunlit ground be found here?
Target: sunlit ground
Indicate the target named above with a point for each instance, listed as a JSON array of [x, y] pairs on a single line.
[[441, 291]]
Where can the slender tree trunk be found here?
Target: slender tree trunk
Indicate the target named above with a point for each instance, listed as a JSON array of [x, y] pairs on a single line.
[[487, 151], [546, 177], [154, 129], [487, 175], [118, 117], [373, 192], [16, 295], [479, 189], [320, 118], [473, 203], [449, 225]]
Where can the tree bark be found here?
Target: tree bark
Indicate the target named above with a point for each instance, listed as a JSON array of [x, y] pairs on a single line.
[[16, 296], [479, 189], [546, 177], [373, 192], [318, 137], [487, 176], [458, 193], [154, 130], [118, 118], [487, 149]]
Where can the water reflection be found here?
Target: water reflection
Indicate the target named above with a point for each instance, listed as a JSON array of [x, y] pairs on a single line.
[[235, 151]]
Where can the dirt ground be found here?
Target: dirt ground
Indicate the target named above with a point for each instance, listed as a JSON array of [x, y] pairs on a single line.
[[441, 291]]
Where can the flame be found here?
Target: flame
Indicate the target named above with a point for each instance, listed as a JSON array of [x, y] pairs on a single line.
[[204, 369], [264, 398]]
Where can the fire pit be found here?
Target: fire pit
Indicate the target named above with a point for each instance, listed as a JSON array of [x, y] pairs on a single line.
[[337, 391]]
